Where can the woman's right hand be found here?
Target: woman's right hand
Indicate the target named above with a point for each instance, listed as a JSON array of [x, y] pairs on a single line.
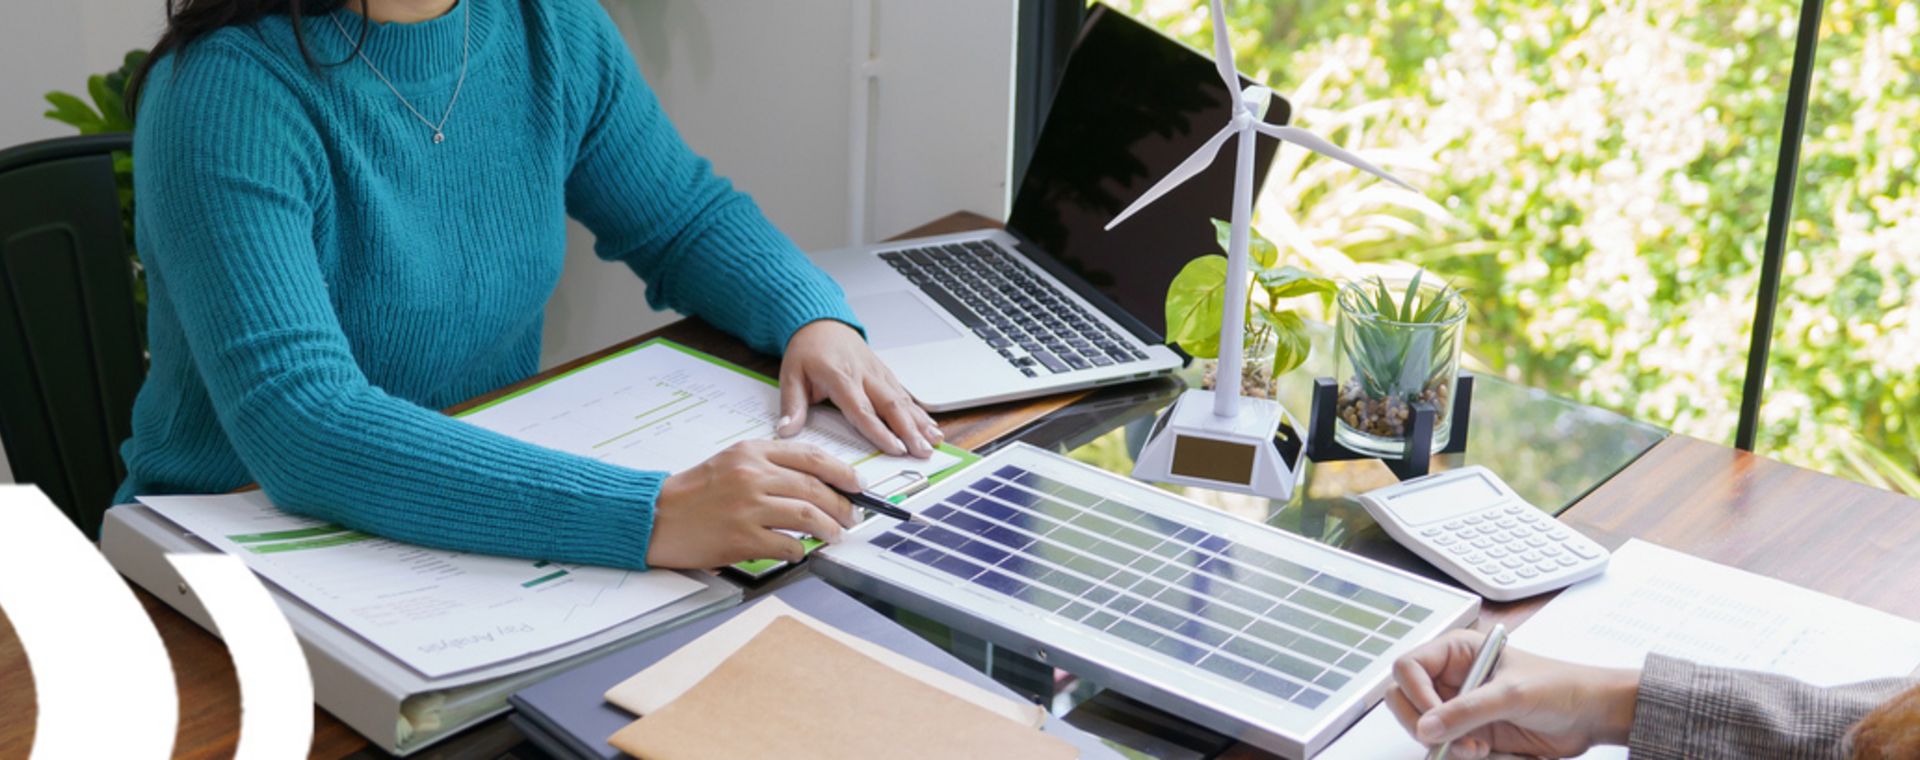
[[1531, 705], [731, 507]]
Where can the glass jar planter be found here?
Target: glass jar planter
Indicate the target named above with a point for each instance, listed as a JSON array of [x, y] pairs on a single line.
[[1256, 363], [1385, 366]]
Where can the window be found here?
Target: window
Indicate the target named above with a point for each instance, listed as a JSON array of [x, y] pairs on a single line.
[[1598, 177]]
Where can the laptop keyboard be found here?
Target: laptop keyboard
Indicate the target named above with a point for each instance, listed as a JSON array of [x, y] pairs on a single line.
[[1028, 320]]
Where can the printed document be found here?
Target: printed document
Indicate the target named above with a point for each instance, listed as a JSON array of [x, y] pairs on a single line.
[[1654, 599], [439, 612], [660, 406]]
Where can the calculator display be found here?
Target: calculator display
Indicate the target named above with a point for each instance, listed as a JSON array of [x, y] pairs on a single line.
[[1449, 492]]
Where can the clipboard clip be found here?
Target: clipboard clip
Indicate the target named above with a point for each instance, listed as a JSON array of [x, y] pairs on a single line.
[[912, 482]]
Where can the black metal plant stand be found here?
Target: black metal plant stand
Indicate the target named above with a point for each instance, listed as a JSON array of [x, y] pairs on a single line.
[[1418, 461]]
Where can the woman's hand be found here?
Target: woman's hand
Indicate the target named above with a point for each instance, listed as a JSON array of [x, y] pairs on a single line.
[[1530, 705], [827, 360], [730, 508]]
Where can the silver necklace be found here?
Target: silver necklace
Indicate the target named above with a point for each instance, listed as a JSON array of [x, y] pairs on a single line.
[[466, 36]]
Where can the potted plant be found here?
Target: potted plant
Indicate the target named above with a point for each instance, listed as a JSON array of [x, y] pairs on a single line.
[[1397, 344], [1276, 339]]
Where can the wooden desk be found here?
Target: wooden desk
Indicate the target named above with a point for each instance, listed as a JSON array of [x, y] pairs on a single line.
[[1739, 509], [209, 693]]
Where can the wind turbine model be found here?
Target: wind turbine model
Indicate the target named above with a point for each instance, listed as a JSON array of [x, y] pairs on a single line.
[[1216, 439]]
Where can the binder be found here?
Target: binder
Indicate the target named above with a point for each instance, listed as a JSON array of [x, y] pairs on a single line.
[[392, 705], [566, 714]]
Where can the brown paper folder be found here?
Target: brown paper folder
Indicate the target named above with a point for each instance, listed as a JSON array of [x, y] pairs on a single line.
[[795, 694]]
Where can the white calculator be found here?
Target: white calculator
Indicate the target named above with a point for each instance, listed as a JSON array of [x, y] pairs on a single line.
[[1472, 525]]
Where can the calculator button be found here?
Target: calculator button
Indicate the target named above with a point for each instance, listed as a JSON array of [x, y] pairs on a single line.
[[1445, 541], [1536, 541], [1475, 520], [1430, 532], [1566, 561], [1517, 535], [1532, 557], [1468, 534], [1545, 567], [1585, 550], [1512, 562], [1508, 522], [1490, 514], [1489, 569], [1557, 535], [1474, 558], [1482, 543], [1455, 525], [1526, 572], [1459, 549], [1497, 552], [1504, 579], [1514, 510], [1487, 529], [1551, 551]]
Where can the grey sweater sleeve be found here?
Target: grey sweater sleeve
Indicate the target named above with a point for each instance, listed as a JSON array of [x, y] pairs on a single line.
[[1693, 711]]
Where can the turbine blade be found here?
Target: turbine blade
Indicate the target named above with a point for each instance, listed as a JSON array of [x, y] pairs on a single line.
[[1185, 171], [1223, 53], [1315, 143]]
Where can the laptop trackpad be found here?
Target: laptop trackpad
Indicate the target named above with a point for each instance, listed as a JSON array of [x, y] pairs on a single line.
[[897, 319]]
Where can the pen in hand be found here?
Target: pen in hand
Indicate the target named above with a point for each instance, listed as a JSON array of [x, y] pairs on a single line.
[[1477, 674], [882, 506]]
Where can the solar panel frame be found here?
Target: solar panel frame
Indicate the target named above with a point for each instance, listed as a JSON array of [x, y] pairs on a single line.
[[1199, 690]]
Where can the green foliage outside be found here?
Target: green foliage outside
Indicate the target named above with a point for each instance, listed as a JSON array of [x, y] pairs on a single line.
[[108, 113], [1596, 177]]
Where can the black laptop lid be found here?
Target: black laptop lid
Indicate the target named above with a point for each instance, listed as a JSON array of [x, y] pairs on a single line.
[[1131, 105]]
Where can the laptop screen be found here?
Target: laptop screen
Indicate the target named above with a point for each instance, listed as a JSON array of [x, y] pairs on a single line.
[[1131, 105]]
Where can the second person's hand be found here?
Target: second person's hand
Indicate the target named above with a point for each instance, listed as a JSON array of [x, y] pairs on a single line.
[[827, 361], [732, 507], [1530, 705]]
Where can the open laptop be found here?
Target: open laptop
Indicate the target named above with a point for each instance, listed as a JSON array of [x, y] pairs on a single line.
[[1055, 302]]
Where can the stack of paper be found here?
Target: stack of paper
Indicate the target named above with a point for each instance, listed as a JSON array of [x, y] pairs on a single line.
[[814, 691], [1654, 599]]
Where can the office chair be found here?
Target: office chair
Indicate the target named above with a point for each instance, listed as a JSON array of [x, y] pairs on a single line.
[[70, 346]]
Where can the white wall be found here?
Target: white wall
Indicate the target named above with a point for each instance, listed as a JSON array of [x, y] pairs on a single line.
[[55, 45], [768, 91]]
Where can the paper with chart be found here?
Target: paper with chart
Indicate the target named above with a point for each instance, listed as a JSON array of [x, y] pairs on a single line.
[[1654, 599], [659, 406], [439, 612]]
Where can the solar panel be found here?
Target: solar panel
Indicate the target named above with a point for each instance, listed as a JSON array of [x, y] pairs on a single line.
[[1126, 567]]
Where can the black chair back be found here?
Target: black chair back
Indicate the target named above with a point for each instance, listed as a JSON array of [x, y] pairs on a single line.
[[70, 346]]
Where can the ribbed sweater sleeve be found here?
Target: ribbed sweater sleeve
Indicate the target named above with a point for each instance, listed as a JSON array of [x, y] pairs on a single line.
[[230, 226], [652, 203]]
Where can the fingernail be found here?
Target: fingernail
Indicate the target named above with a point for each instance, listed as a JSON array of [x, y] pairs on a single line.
[[781, 426], [1428, 729], [897, 448], [935, 434]]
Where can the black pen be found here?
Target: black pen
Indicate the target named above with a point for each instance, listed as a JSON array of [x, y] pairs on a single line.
[[876, 504]]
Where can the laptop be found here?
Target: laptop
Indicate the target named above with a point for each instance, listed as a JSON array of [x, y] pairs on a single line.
[[1054, 302]]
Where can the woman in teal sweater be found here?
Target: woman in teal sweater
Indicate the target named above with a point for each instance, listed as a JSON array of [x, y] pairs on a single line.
[[353, 214]]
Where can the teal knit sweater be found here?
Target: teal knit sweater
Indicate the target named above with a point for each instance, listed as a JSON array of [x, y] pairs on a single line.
[[323, 276]]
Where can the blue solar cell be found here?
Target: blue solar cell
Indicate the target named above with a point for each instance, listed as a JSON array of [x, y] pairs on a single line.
[[1331, 681], [1009, 472], [888, 539], [986, 553], [1233, 669], [1123, 603], [1042, 598], [1099, 595], [967, 523], [1249, 650], [1273, 684], [1070, 584], [1226, 616], [913, 550], [1177, 649], [1073, 495], [1157, 524], [1134, 632], [1309, 698], [954, 566], [1159, 616], [937, 512], [1120, 512], [1179, 599], [1007, 537], [1415, 613], [940, 536], [1221, 568], [1075, 610], [1015, 495], [993, 510], [1253, 603], [1215, 544], [1199, 630], [1002, 583]]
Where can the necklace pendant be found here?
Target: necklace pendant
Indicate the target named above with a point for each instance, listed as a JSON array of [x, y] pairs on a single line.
[[438, 136]]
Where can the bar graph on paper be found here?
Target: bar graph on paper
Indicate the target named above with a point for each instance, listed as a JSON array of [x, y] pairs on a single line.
[[657, 407]]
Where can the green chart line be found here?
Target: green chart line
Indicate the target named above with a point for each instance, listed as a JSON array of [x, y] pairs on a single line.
[[676, 413], [678, 396], [543, 579]]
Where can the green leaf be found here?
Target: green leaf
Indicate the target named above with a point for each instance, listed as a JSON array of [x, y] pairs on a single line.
[[72, 111], [1261, 251], [1291, 281], [1413, 294], [113, 112], [1194, 301], [1291, 344]]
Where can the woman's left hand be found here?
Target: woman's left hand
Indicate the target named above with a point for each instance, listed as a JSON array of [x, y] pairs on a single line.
[[828, 361]]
